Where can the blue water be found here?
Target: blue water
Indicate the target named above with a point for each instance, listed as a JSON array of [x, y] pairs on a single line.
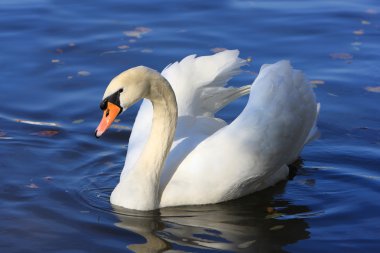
[[57, 58]]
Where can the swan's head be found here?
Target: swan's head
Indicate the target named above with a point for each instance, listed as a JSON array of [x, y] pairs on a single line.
[[123, 91]]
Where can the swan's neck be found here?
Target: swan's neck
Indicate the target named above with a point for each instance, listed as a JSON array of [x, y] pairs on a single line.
[[140, 187]]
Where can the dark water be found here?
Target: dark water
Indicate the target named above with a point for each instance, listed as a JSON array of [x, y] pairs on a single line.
[[57, 58]]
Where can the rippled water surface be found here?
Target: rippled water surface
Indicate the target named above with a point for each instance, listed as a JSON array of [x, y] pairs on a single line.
[[57, 58]]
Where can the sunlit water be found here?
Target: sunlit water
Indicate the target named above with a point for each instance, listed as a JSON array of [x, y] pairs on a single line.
[[57, 58]]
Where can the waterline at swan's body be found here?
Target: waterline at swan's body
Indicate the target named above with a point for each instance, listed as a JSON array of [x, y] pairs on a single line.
[[180, 154]]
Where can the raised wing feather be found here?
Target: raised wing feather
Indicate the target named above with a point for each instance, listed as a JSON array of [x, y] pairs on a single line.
[[197, 80]]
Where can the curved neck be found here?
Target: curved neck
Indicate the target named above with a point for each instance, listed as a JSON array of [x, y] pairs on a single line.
[[141, 186]]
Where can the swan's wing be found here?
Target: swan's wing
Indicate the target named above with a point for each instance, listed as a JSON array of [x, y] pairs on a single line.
[[245, 156], [198, 83]]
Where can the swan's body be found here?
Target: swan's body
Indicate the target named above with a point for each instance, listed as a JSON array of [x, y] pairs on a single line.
[[209, 161]]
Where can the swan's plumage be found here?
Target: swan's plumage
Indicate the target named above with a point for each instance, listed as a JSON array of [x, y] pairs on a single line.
[[245, 155], [211, 161]]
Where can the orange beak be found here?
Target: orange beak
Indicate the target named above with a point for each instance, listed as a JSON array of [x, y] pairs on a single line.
[[109, 115]]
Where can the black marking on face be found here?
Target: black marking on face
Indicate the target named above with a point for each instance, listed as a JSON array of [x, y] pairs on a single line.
[[114, 99]]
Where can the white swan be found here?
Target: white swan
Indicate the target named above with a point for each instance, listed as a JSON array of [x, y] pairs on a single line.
[[209, 161]]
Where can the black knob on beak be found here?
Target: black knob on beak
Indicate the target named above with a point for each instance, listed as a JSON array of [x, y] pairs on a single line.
[[103, 104]]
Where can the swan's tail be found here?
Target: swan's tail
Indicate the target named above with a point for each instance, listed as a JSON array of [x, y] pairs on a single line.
[[198, 82], [314, 132], [285, 107]]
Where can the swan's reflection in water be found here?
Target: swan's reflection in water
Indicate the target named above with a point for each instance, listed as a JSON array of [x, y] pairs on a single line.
[[256, 223]]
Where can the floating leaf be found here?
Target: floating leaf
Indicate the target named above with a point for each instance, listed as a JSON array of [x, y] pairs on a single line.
[[275, 228], [3, 136], [78, 121], [55, 61], [309, 182], [317, 82], [147, 51], [109, 164], [46, 133], [358, 32], [373, 89], [365, 22], [341, 56], [218, 49], [6, 138], [245, 245], [137, 32], [38, 123], [121, 127], [123, 47], [274, 215], [32, 186], [143, 29], [356, 43], [110, 52], [371, 11], [83, 73]]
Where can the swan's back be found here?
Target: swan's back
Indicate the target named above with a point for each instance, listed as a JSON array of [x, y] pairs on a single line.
[[252, 152]]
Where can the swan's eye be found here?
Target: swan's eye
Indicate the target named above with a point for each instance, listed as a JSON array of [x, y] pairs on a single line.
[[121, 90], [103, 104]]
